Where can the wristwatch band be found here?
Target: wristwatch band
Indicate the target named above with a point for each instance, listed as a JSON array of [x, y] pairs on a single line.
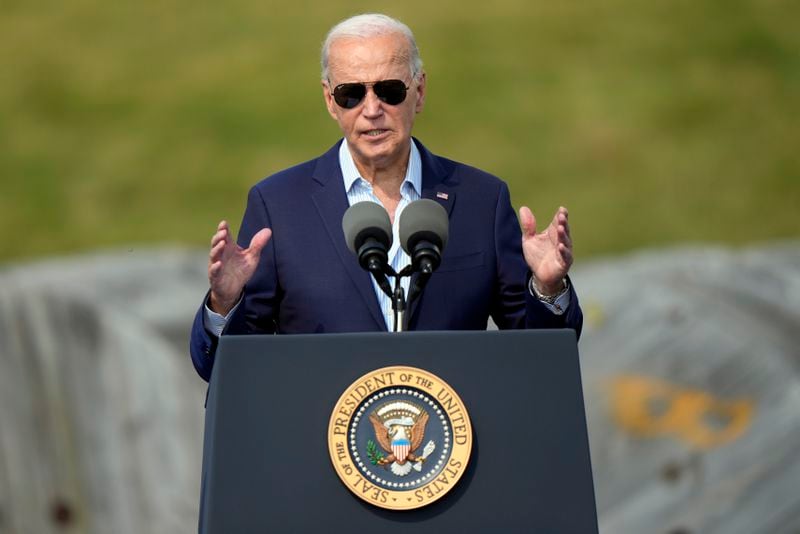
[[549, 299]]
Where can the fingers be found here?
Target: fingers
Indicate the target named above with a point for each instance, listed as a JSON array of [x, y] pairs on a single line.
[[561, 223], [562, 216], [563, 236], [217, 251], [565, 253], [223, 231], [259, 240], [214, 269], [218, 242], [527, 221]]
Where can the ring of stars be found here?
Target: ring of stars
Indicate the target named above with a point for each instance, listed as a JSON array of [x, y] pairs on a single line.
[[439, 416]]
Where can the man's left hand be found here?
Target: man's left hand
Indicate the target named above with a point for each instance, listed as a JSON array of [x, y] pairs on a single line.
[[548, 253]]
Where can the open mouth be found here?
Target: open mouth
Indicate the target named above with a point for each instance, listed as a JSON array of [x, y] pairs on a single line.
[[375, 133]]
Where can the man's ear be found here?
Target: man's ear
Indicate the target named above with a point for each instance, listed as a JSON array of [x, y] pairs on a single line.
[[329, 103], [421, 88]]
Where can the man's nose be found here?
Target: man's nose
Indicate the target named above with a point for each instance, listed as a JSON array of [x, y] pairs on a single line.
[[373, 106]]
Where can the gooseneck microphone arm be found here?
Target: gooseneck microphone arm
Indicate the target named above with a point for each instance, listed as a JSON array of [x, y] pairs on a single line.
[[375, 260], [379, 272], [425, 258]]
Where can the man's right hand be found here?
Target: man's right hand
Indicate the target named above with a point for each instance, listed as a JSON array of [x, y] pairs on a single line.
[[230, 266]]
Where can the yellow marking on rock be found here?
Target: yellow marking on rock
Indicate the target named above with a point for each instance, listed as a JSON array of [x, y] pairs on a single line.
[[648, 407]]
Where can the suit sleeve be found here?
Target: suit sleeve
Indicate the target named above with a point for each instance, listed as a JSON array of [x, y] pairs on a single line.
[[258, 311], [515, 306]]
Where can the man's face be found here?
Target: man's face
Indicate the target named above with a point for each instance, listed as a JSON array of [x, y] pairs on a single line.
[[378, 133]]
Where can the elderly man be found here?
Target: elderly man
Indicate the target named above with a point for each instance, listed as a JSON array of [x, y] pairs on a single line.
[[291, 271]]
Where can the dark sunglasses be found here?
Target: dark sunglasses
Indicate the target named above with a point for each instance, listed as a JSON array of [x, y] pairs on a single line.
[[349, 95]]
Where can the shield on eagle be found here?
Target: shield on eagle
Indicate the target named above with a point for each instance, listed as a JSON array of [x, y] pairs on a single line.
[[401, 447]]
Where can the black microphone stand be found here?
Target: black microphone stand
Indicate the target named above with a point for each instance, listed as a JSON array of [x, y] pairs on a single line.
[[397, 295], [400, 305], [425, 260]]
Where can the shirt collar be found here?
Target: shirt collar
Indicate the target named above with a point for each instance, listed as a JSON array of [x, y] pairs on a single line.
[[351, 175]]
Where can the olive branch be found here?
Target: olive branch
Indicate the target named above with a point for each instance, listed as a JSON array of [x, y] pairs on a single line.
[[373, 453]]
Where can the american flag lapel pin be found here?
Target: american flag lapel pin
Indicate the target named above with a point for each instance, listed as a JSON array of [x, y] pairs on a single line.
[[441, 195]]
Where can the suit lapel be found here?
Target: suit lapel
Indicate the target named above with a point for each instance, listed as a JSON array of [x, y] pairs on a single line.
[[330, 199], [440, 186]]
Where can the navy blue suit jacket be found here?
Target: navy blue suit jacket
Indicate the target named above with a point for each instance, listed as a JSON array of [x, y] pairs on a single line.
[[308, 281]]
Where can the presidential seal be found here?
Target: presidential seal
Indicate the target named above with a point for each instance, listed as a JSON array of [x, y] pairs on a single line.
[[399, 438]]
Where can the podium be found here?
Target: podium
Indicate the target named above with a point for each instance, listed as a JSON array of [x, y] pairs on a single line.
[[267, 467]]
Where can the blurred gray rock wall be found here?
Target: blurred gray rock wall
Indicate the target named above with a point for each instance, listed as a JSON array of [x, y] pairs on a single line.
[[691, 374], [100, 409]]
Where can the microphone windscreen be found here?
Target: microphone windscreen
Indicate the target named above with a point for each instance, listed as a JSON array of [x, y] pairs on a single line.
[[363, 220], [423, 219]]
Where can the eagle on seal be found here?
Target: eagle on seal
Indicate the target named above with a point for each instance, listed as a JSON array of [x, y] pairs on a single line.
[[400, 438]]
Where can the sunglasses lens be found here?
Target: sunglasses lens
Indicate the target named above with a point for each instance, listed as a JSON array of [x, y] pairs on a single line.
[[392, 92], [348, 95]]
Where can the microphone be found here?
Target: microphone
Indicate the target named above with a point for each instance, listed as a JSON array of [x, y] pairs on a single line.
[[423, 234], [424, 229], [368, 233]]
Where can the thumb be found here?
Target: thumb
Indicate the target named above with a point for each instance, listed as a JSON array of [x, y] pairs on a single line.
[[528, 221], [260, 240]]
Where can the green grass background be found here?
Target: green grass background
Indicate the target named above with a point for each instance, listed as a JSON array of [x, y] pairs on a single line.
[[128, 123]]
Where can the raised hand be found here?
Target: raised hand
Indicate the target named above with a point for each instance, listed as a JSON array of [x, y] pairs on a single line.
[[548, 253], [230, 266]]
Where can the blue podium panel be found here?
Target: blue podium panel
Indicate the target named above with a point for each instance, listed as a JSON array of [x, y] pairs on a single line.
[[266, 464]]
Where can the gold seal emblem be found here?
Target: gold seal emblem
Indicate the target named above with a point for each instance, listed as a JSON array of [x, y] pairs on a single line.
[[399, 438]]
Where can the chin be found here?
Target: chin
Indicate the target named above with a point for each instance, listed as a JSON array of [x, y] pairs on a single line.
[[383, 152], [371, 154]]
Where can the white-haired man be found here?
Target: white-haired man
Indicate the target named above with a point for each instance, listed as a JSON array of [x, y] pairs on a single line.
[[291, 271]]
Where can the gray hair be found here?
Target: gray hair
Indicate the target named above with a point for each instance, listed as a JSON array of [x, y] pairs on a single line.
[[371, 25]]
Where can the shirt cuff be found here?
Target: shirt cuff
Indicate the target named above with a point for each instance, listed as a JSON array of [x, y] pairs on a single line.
[[561, 303], [214, 322]]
